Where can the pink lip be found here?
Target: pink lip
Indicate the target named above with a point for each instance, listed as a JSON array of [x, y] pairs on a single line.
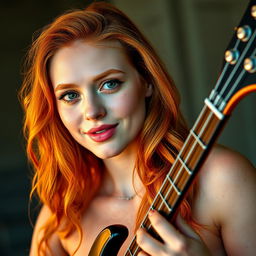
[[102, 136]]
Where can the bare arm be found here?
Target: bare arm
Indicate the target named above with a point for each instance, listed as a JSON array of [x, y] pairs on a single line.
[[54, 242]]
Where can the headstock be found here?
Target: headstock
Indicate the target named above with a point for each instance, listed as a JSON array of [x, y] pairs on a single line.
[[238, 76]]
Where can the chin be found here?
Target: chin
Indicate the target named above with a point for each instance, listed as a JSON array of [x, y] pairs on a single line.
[[108, 154]]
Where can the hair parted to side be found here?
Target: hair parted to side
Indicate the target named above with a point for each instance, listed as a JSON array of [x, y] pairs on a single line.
[[67, 176]]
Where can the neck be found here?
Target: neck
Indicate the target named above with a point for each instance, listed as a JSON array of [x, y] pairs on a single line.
[[119, 179]]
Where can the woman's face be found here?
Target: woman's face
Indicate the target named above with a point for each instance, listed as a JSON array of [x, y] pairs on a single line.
[[100, 96]]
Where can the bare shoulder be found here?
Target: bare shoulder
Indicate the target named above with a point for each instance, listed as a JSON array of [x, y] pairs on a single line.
[[225, 168], [226, 175], [54, 242], [227, 193]]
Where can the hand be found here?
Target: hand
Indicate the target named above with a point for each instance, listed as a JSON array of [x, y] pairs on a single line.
[[182, 242]]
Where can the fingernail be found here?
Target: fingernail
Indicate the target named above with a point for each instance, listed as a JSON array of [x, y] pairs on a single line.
[[151, 212]]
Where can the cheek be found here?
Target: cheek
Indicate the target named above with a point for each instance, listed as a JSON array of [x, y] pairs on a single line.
[[68, 117], [127, 104]]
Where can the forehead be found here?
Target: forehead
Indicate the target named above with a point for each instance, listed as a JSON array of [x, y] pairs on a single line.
[[87, 59]]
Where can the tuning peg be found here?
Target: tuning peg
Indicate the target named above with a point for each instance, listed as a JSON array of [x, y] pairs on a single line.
[[244, 33], [231, 56], [253, 11], [250, 64]]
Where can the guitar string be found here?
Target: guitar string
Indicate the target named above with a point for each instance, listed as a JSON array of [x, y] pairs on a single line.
[[240, 58], [186, 159], [224, 88], [190, 152], [237, 81], [225, 69], [178, 156]]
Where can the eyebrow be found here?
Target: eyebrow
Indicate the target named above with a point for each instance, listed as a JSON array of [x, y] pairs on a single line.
[[63, 86]]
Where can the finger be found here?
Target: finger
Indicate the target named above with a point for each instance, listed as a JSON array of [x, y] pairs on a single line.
[[147, 243], [187, 230], [162, 226]]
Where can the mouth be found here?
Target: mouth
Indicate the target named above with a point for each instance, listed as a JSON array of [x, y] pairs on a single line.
[[102, 133]]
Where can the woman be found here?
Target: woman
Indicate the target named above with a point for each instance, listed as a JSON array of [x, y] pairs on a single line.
[[103, 127]]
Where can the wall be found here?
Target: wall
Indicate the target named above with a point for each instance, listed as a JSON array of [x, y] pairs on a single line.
[[190, 36]]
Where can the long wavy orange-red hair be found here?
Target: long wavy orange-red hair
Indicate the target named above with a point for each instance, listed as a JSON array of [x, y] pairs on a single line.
[[67, 176]]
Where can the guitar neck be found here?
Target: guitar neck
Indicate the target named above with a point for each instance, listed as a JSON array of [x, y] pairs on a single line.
[[231, 87], [187, 164]]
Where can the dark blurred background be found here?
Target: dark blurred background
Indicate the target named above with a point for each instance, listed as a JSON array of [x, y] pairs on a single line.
[[189, 35]]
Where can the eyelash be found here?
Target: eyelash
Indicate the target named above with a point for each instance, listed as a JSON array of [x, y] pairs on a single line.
[[62, 97], [116, 81], [106, 91]]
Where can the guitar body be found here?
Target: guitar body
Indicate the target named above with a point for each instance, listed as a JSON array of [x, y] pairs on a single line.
[[109, 241]]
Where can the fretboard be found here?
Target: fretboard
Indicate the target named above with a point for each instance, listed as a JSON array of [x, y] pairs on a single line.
[[185, 167]]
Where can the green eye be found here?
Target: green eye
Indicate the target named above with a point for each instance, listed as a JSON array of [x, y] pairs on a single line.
[[69, 97]]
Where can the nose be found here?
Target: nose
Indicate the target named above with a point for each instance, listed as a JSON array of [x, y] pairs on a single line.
[[94, 109]]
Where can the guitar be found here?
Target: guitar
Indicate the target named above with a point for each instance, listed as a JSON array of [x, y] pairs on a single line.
[[237, 79]]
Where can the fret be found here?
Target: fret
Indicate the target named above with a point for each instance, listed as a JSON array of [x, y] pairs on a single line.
[[145, 225], [164, 201], [212, 125], [130, 253], [214, 109], [184, 153], [207, 122], [191, 150], [133, 248], [202, 120], [189, 157], [173, 185], [200, 142], [184, 165], [136, 250], [201, 117]]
